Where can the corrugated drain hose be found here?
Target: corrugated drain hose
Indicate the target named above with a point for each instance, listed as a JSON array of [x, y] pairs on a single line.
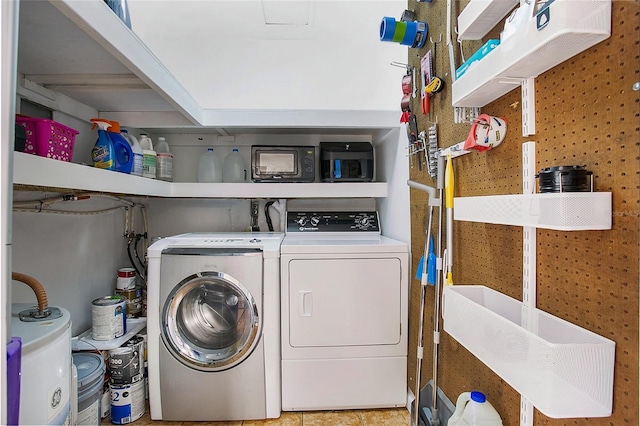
[[37, 288]]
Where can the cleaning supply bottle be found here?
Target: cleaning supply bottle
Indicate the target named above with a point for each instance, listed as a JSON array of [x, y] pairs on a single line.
[[164, 165], [473, 409], [209, 167], [122, 151], [148, 157], [102, 152], [138, 156], [233, 169]]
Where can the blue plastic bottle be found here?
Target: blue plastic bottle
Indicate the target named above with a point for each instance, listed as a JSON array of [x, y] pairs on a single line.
[[122, 152], [102, 152]]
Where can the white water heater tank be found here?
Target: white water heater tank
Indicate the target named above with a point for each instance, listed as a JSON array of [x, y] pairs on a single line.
[[45, 385]]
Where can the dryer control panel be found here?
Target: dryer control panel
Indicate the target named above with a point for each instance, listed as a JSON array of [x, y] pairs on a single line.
[[321, 222]]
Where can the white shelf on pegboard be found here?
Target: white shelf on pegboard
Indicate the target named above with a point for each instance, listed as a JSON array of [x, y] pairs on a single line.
[[480, 16], [566, 371], [560, 30], [566, 211]]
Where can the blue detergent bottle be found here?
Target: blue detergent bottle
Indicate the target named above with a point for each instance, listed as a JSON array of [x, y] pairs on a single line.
[[102, 152], [122, 152]]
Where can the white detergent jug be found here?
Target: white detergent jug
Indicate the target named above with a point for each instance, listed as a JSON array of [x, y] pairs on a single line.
[[473, 409]]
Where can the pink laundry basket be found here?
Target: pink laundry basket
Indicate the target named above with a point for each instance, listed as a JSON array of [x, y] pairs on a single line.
[[47, 138]]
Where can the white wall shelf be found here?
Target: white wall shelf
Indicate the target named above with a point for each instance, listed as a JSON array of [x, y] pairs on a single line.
[[91, 56], [567, 211], [557, 367], [480, 16], [572, 27], [44, 172], [564, 370]]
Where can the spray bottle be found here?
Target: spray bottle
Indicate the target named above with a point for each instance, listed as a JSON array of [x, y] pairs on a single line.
[[122, 151], [102, 152]]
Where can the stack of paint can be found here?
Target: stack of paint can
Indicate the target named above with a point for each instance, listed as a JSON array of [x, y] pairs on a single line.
[[127, 286], [126, 381]]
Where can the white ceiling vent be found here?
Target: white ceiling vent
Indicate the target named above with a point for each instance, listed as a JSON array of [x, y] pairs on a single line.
[[286, 12]]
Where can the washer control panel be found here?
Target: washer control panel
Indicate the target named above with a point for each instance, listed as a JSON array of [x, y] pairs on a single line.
[[320, 222]]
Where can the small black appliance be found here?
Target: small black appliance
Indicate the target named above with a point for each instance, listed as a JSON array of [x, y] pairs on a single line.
[[346, 161]]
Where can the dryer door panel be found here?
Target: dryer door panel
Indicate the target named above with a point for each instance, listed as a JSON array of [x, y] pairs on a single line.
[[344, 302]]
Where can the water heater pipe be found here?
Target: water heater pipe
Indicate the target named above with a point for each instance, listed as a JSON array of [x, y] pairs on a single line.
[[37, 288]]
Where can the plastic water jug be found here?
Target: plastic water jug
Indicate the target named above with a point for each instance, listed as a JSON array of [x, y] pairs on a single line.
[[164, 164], [233, 169], [209, 167], [473, 409], [148, 157]]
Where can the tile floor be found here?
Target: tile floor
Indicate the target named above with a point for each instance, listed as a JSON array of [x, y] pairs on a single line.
[[380, 417]]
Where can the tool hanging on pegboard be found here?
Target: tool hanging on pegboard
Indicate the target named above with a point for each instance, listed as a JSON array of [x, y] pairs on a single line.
[[417, 144], [407, 31], [432, 150], [409, 90], [431, 84]]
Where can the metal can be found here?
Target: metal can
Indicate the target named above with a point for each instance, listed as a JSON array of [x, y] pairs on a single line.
[[127, 403], [126, 279], [134, 301], [125, 365], [108, 316]]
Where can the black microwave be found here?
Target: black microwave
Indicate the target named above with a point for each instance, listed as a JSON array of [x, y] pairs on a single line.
[[279, 163]]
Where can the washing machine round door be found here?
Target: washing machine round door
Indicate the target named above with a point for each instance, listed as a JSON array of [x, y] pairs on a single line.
[[210, 322]]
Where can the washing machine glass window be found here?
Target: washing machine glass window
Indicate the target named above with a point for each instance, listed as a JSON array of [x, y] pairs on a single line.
[[210, 322]]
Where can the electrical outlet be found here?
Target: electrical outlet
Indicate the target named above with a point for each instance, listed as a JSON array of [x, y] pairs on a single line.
[[255, 209]]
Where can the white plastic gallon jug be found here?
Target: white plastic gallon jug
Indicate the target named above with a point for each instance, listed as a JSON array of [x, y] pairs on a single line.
[[149, 157], [473, 409], [164, 164], [233, 169], [209, 167]]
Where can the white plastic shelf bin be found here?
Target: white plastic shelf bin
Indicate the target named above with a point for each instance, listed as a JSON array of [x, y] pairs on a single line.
[[566, 211], [564, 370]]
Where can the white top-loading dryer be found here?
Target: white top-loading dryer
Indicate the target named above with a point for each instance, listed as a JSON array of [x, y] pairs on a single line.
[[344, 313]]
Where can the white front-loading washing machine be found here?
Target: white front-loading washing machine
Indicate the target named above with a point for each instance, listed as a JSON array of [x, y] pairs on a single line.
[[213, 327], [344, 313]]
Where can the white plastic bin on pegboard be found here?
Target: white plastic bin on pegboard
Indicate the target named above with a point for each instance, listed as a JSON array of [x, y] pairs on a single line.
[[564, 370], [566, 211]]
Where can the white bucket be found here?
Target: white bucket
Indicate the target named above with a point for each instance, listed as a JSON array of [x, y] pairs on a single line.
[[45, 389], [91, 369]]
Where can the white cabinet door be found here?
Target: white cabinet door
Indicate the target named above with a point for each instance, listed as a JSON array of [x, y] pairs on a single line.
[[344, 302]]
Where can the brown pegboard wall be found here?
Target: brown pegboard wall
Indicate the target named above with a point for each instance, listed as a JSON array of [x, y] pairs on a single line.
[[587, 113]]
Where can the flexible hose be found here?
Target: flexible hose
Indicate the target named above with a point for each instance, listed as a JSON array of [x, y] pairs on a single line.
[[267, 215], [37, 288]]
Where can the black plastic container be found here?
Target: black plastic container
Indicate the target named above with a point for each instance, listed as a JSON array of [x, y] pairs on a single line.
[[346, 161], [565, 179]]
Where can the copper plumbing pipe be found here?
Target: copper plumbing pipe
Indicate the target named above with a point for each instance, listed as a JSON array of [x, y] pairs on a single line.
[[37, 288]]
